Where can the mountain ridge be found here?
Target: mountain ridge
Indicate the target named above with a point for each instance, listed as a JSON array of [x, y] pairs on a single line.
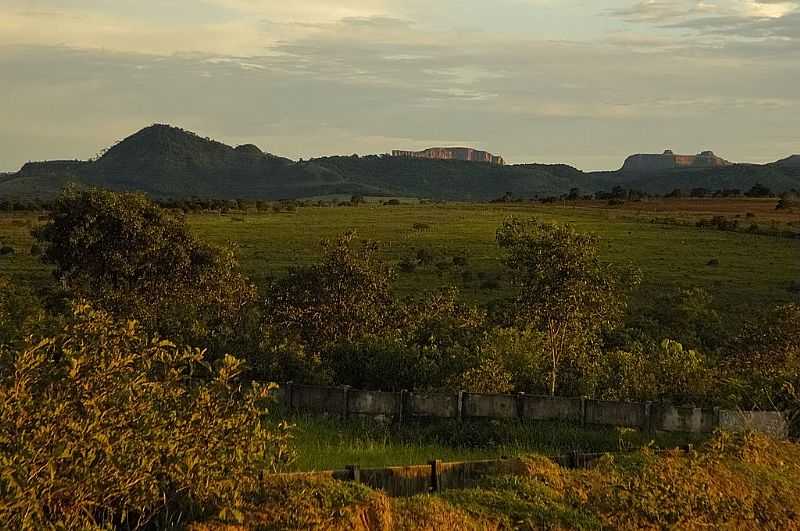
[[170, 162]]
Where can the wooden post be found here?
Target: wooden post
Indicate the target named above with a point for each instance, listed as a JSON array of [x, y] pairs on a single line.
[[435, 480], [460, 405], [355, 473]]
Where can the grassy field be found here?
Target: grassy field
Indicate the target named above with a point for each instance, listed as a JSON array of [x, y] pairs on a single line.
[[329, 444], [752, 269]]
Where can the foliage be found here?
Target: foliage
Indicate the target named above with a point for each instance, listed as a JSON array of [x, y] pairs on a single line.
[[101, 425], [431, 345], [667, 372], [133, 259], [346, 297], [563, 289], [762, 365], [19, 311], [742, 481]]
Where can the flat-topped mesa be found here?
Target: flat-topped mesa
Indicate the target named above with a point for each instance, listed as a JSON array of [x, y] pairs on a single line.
[[451, 153], [669, 161]]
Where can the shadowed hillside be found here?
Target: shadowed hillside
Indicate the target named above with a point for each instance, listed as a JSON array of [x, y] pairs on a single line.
[[166, 161]]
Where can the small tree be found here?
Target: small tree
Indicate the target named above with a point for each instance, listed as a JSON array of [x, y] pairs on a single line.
[[130, 257], [344, 298], [563, 289]]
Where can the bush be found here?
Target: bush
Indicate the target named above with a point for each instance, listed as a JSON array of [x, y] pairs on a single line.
[[425, 257], [344, 298], [101, 425], [6, 250]]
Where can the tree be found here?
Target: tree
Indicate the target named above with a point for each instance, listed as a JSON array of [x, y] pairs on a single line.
[[344, 298], [759, 190], [133, 259], [563, 289]]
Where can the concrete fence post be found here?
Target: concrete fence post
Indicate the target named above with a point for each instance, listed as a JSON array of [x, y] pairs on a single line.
[[649, 420], [460, 405], [583, 411], [345, 401], [288, 397], [401, 407], [521, 405], [716, 417]]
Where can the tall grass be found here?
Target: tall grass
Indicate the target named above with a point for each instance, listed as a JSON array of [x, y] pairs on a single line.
[[332, 443]]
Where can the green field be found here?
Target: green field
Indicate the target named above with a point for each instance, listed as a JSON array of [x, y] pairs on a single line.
[[333, 443], [752, 269]]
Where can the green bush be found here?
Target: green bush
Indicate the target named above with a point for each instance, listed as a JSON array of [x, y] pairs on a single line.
[[102, 425], [133, 259]]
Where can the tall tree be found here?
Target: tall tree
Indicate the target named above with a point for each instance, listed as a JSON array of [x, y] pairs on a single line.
[[563, 289]]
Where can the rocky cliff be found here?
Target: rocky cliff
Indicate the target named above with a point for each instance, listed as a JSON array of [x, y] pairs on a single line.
[[669, 160]]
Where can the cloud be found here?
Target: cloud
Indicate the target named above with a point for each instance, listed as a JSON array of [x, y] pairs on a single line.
[[308, 79]]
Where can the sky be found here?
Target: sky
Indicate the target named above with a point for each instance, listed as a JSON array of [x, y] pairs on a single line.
[[583, 82]]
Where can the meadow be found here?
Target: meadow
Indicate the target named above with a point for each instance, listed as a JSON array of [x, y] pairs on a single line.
[[739, 269]]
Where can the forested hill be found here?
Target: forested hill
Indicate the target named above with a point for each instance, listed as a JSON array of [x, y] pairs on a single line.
[[166, 161]]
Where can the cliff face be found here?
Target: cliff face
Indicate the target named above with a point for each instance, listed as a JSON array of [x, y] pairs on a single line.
[[669, 160]]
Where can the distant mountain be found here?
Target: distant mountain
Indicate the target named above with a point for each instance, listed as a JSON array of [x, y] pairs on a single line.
[[793, 162], [166, 161]]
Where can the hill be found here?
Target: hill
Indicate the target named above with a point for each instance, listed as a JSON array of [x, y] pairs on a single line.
[[167, 161]]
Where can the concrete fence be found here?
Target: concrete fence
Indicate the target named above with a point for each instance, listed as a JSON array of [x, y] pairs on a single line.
[[404, 405]]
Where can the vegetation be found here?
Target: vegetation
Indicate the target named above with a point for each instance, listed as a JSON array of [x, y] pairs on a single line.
[[102, 425], [564, 291], [133, 259], [106, 421], [732, 482]]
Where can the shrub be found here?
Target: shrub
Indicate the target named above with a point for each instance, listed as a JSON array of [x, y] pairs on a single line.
[[418, 226], [407, 266], [425, 257], [101, 425], [6, 250], [342, 299]]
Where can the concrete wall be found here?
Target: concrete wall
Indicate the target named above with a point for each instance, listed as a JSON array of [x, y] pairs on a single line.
[[489, 406], [432, 405], [684, 419], [373, 403], [343, 401], [623, 414], [552, 408], [771, 422]]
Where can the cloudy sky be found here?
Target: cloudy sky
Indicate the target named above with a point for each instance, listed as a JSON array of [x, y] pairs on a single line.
[[576, 81]]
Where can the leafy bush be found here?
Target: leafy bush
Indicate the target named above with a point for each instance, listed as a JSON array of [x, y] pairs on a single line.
[[343, 298], [101, 425], [6, 250], [135, 260]]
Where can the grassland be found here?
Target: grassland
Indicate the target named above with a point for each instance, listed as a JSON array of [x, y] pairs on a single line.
[[327, 444], [752, 269], [732, 482]]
